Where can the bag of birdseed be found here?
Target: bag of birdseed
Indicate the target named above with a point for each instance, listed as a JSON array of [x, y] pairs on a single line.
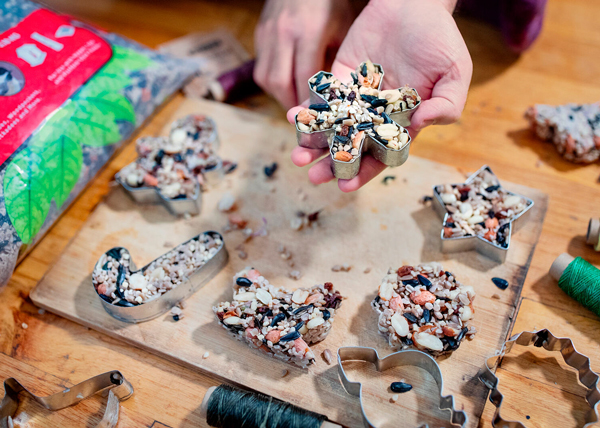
[[69, 96]]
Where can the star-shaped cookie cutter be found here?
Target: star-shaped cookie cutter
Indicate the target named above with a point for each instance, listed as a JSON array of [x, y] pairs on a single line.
[[542, 339], [114, 382], [153, 195], [476, 242], [401, 358], [324, 138], [131, 313]]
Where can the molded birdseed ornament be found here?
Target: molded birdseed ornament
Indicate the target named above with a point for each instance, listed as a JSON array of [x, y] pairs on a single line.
[[357, 117], [280, 323], [479, 214]]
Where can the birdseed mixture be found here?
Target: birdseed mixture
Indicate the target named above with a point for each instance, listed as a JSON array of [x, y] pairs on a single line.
[[574, 129], [276, 321], [481, 207], [425, 307], [117, 284], [175, 165], [357, 109]]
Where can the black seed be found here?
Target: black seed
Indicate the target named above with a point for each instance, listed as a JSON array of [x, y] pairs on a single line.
[[230, 167], [277, 319], [290, 336], [491, 213], [371, 110], [270, 169], [284, 311], [527, 417], [159, 156], [176, 317], [426, 315], [452, 344], [379, 102], [323, 86], [502, 284], [369, 99], [407, 341], [449, 274], [400, 387], [462, 333], [299, 325], [427, 198], [243, 282], [464, 196], [354, 77], [319, 107], [388, 178], [120, 279], [426, 282], [105, 298], [320, 121], [341, 139], [377, 299], [302, 309], [450, 224], [115, 253], [410, 317], [492, 188], [386, 118], [340, 120], [180, 197], [124, 303], [319, 78], [413, 282], [105, 267], [177, 157], [363, 70], [482, 224], [365, 125], [326, 314]]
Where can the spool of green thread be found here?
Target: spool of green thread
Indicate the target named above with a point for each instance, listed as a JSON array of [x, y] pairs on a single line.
[[579, 279], [593, 233]]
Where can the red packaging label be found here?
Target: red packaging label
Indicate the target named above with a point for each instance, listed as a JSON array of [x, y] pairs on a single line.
[[43, 61]]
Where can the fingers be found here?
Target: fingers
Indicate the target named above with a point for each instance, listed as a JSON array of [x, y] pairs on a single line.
[[309, 59], [369, 169], [321, 172], [302, 156], [291, 114]]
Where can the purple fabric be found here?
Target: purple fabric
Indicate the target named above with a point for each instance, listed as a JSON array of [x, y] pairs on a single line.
[[520, 21]]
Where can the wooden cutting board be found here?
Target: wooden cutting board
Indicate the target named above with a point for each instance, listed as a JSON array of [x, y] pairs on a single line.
[[381, 226]]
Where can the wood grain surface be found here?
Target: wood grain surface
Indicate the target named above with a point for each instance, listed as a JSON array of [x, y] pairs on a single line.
[[384, 226], [563, 66]]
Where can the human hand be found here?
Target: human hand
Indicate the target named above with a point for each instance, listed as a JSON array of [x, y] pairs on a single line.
[[291, 39], [417, 43]]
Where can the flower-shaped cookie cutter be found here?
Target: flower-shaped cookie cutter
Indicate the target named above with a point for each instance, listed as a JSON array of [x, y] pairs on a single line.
[[401, 358], [324, 138], [542, 339], [119, 389], [476, 242], [177, 206], [135, 313]]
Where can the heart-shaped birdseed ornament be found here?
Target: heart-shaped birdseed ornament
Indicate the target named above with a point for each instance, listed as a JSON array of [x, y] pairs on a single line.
[[357, 117], [280, 323], [425, 307], [139, 295]]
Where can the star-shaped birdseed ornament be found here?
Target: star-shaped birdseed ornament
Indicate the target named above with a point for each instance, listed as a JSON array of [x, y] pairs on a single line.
[[357, 117], [479, 214], [276, 321]]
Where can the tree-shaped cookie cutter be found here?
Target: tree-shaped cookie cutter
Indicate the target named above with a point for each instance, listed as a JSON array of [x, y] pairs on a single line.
[[410, 357], [153, 195], [324, 138], [146, 311], [542, 339], [476, 242], [119, 389]]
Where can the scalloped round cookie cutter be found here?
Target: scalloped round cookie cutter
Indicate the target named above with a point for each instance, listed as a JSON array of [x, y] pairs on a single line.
[[324, 138], [119, 389], [154, 308], [542, 339], [410, 357]]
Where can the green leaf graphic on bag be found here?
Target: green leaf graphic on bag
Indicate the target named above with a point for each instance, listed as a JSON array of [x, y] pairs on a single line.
[[50, 166]]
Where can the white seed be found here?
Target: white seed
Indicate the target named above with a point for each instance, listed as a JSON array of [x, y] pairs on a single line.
[[158, 273], [24, 325], [385, 290], [429, 341], [264, 296], [179, 136], [232, 320], [137, 281], [475, 219], [400, 325], [466, 209], [391, 95], [303, 329], [299, 296], [388, 131], [327, 356], [467, 313], [296, 223], [394, 398], [512, 201], [245, 296], [315, 322], [404, 138], [448, 198], [206, 354], [226, 203], [132, 180]]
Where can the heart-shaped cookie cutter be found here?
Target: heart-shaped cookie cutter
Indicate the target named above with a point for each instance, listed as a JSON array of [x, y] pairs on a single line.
[[324, 138], [542, 339], [397, 359], [158, 306], [153, 195], [119, 389]]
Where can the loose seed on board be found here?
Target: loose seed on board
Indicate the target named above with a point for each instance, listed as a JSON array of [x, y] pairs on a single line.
[[400, 387], [502, 284]]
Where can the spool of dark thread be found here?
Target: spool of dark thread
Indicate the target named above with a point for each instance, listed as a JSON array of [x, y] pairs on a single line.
[[227, 407]]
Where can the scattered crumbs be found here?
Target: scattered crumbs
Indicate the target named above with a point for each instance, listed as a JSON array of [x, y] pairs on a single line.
[[80, 396], [425, 199], [388, 178], [341, 268], [24, 325], [367, 270], [394, 398], [295, 274], [41, 311], [177, 313], [270, 169], [242, 255], [284, 373], [168, 244], [496, 296], [205, 356]]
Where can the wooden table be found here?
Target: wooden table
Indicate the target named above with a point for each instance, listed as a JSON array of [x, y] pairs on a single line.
[[46, 351]]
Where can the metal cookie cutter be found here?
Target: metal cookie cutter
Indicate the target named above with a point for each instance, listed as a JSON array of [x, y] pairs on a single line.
[[475, 242], [154, 308], [114, 382], [401, 358], [543, 339], [324, 138], [152, 195]]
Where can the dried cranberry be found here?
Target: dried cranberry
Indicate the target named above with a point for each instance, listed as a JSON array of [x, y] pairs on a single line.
[[328, 286], [405, 270]]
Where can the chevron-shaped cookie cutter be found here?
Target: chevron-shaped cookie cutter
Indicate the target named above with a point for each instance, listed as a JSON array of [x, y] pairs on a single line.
[[458, 418], [475, 242], [324, 138], [125, 311], [119, 389], [147, 194], [542, 339]]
